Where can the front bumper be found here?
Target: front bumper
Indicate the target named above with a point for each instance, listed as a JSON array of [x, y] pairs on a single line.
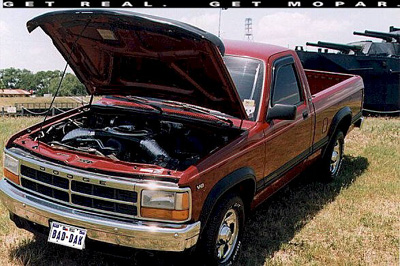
[[135, 234]]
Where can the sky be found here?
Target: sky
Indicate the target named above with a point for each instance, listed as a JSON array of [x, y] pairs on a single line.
[[285, 27]]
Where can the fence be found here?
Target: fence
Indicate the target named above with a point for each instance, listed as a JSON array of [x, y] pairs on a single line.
[[35, 109]]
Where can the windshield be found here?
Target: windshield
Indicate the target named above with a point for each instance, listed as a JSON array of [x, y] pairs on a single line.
[[247, 74]]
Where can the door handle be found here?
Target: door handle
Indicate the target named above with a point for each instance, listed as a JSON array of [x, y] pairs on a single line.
[[305, 114]]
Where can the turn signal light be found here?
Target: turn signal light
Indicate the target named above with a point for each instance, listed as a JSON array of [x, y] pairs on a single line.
[[172, 215], [11, 176]]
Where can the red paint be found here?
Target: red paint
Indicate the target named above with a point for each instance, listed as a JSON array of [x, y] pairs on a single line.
[[153, 58], [263, 147]]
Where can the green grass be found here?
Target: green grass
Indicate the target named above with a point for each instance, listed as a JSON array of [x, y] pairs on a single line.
[[11, 125], [351, 221], [354, 220]]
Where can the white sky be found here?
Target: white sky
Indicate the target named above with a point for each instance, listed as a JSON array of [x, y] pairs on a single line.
[[286, 27]]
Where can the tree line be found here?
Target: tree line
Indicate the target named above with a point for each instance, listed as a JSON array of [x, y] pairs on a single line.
[[42, 82]]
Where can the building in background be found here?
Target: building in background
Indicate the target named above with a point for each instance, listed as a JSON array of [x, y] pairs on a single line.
[[14, 93]]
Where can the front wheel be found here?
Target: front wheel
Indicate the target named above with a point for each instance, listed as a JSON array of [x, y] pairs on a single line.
[[222, 236]]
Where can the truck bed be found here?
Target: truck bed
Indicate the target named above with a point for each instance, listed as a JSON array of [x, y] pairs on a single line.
[[321, 80], [332, 92]]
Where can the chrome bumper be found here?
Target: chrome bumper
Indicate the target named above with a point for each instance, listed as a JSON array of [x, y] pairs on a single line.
[[137, 234]]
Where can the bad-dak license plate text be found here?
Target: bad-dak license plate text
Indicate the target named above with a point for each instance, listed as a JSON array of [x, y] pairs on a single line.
[[67, 235]]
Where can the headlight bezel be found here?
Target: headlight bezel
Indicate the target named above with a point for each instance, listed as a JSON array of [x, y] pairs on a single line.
[[11, 164], [178, 212]]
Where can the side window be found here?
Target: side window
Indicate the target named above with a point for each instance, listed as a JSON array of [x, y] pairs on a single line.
[[286, 88]]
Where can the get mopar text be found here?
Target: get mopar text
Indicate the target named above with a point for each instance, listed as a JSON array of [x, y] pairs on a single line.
[[305, 4]]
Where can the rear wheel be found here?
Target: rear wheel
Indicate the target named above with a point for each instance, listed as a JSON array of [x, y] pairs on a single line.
[[222, 236], [332, 161]]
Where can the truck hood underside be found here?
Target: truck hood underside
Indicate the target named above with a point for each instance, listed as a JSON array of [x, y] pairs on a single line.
[[125, 53]]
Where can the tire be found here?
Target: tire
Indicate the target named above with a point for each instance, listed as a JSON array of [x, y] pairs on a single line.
[[333, 157], [221, 239]]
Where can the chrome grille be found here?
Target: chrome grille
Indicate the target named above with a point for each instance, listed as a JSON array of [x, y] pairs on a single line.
[[63, 188]]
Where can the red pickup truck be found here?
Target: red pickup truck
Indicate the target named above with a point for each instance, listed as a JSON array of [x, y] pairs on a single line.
[[191, 135]]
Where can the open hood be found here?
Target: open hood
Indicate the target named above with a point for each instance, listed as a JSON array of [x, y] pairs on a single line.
[[125, 53]]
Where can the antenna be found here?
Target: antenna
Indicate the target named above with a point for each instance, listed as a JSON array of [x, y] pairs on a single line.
[[219, 20], [219, 23], [248, 29]]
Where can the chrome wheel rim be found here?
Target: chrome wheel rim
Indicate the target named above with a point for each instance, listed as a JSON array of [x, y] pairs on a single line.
[[336, 157], [227, 235]]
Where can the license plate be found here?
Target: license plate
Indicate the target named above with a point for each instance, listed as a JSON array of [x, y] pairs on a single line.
[[67, 235]]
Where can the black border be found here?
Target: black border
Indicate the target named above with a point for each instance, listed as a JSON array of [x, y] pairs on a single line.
[[201, 4]]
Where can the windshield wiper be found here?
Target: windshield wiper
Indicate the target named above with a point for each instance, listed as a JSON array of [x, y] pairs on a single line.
[[139, 100], [196, 109], [58, 144]]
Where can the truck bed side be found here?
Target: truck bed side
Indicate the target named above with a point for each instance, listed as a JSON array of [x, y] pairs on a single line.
[[332, 92]]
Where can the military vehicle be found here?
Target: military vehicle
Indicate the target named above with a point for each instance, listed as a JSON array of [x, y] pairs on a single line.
[[377, 62]]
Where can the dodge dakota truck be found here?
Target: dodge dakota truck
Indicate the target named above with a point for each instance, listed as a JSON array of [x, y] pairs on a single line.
[[191, 134]]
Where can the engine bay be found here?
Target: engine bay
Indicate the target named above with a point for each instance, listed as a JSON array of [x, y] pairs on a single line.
[[138, 138]]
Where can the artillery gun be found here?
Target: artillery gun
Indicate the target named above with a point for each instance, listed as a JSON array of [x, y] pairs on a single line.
[[344, 48], [388, 37], [394, 29], [377, 62]]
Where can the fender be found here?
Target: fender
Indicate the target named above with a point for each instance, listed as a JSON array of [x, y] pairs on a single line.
[[339, 116], [222, 186]]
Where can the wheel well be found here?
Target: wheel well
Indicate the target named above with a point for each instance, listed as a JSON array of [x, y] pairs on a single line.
[[341, 121], [245, 190], [344, 124], [240, 182]]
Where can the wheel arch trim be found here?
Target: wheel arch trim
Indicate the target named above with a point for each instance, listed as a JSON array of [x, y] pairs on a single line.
[[340, 116], [222, 187]]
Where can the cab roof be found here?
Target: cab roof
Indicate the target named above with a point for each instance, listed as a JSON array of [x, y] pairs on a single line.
[[252, 49]]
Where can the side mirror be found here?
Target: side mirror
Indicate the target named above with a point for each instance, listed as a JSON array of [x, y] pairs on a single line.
[[282, 111]]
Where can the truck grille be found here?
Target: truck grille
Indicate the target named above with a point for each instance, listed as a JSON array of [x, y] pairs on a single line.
[[45, 177], [80, 194], [45, 190]]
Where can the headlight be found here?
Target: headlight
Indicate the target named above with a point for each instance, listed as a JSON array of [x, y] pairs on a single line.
[[11, 164], [166, 205], [11, 168], [158, 199]]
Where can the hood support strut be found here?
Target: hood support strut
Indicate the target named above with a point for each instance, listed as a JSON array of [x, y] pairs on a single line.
[[61, 80]]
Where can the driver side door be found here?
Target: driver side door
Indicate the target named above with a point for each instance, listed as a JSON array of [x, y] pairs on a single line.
[[288, 142]]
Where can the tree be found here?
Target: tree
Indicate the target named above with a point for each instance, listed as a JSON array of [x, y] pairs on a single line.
[[26, 80], [14, 78], [41, 82], [43, 78], [70, 86], [2, 86]]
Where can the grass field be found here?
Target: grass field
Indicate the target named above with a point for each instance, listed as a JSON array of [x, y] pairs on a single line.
[[352, 221]]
